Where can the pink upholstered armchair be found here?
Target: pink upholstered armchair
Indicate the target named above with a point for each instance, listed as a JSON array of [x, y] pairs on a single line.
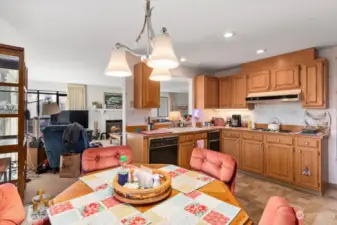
[[279, 212], [12, 211], [218, 165], [94, 159]]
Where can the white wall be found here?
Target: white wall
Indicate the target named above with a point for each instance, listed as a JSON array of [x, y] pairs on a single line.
[[293, 113], [46, 86]]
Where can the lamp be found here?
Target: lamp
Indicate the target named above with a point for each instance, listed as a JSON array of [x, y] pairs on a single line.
[[118, 66], [160, 75], [50, 108], [174, 115]]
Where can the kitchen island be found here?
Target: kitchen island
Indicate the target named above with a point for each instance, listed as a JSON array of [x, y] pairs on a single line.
[[294, 159]]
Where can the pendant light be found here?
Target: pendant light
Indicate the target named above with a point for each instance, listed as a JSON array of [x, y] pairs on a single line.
[[160, 75], [118, 65]]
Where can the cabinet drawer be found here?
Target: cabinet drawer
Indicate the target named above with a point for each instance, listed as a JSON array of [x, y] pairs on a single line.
[[307, 142], [186, 138], [200, 136], [279, 139], [252, 136], [231, 134]]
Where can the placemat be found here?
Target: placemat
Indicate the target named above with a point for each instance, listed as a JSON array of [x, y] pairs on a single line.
[[185, 180], [192, 208]]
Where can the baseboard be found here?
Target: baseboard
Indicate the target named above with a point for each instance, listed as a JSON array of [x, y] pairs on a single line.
[[332, 186]]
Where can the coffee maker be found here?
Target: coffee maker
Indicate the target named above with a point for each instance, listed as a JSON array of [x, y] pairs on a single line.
[[236, 121]]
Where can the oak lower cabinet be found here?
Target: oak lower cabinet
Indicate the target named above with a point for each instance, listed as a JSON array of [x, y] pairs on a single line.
[[251, 156], [310, 158], [231, 147], [279, 162], [185, 153]]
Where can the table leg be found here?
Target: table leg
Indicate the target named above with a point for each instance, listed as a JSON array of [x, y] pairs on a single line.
[[10, 169]]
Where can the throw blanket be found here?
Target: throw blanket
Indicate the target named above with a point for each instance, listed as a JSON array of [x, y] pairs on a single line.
[[72, 133]]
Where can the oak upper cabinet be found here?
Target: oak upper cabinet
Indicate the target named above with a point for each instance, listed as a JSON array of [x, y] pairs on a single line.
[[225, 93], [146, 91], [251, 156], [185, 153], [258, 82], [206, 92], [279, 161], [231, 146], [285, 78], [313, 83], [239, 91]]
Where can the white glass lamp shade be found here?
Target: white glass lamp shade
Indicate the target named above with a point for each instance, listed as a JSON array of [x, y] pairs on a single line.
[[163, 56], [118, 65], [50, 108], [160, 75]]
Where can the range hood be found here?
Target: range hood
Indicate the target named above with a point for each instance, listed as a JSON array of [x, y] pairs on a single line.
[[274, 96]]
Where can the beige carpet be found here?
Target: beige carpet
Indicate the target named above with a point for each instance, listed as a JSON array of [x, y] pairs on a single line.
[[51, 183]]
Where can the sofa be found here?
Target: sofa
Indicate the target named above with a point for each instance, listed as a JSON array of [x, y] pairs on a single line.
[[12, 211], [95, 159], [54, 146]]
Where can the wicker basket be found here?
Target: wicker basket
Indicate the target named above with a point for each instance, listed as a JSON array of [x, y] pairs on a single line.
[[143, 196]]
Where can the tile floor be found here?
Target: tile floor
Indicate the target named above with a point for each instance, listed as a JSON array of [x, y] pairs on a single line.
[[254, 193]]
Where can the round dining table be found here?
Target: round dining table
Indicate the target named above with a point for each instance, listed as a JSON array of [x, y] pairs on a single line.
[[216, 189]]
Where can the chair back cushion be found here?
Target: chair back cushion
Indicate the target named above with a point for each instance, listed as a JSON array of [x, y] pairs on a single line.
[[94, 159], [279, 212], [215, 164], [11, 209]]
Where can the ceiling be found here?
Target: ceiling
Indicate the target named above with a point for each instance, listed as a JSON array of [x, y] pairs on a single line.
[[71, 40]]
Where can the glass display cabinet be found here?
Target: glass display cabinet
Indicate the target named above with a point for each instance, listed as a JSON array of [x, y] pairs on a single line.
[[13, 146]]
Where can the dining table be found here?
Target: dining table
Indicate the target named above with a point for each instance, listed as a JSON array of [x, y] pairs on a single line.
[[216, 189]]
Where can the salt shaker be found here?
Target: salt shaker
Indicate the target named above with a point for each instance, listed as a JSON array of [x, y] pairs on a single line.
[[156, 180]]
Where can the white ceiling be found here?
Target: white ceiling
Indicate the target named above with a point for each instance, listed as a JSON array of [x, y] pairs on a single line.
[[70, 40]]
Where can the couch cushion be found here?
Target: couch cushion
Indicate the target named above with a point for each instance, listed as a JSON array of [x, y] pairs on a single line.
[[94, 159], [215, 164]]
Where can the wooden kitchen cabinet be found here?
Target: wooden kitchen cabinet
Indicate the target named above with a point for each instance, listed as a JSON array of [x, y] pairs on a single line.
[[251, 156], [146, 91], [225, 93], [206, 92], [313, 84], [239, 91], [185, 153], [279, 162], [258, 82], [307, 157], [231, 147], [285, 78]]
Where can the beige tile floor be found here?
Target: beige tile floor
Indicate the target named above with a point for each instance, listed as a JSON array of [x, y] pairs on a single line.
[[254, 193]]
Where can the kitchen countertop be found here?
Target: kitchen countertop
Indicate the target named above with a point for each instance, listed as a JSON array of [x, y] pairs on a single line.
[[188, 130]]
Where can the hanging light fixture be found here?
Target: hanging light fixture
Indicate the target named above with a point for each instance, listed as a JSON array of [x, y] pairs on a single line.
[[160, 75], [159, 52]]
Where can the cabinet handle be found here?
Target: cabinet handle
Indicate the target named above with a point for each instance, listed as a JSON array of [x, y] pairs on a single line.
[[267, 146], [278, 140], [299, 151], [274, 85], [261, 145], [306, 143]]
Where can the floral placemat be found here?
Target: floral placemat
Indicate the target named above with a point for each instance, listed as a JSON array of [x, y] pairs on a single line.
[[185, 180], [192, 208]]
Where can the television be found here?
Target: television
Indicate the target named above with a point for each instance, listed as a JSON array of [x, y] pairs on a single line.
[[71, 116]]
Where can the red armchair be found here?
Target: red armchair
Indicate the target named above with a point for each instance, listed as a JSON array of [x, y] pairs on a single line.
[[216, 164], [94, 159], [12, 211], [279, 212]]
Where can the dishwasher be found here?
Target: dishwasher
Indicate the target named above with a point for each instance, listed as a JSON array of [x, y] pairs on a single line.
[[164, 150]]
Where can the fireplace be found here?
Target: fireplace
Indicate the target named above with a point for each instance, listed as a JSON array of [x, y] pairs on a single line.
[[114, 123]]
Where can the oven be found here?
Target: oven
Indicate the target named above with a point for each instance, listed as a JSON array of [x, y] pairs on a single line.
[[214, 140], [164, 150]]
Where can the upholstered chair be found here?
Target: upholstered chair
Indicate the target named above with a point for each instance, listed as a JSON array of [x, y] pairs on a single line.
[[218, 165], [94, 159], [279, 212]]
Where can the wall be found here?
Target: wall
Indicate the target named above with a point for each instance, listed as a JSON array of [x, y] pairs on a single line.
[[179, 99], [293, 113]]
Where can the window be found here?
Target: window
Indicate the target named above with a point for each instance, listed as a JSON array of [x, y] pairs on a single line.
[[36, 98]]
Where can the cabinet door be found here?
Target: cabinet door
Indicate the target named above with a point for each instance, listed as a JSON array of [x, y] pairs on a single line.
[[232, 148], [225, 89], [211, 93], [151, 90], [279, 161], [251, 156], [287, 78], [259, 82], [185, 152], [313, 83], [307, 157], [239, 92]]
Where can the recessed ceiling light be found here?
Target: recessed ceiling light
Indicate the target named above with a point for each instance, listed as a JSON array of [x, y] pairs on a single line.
[[182, 59], [228, 34], [260, 51]]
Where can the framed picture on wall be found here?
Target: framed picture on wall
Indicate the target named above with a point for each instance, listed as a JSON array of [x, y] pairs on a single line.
[[113, 100]]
